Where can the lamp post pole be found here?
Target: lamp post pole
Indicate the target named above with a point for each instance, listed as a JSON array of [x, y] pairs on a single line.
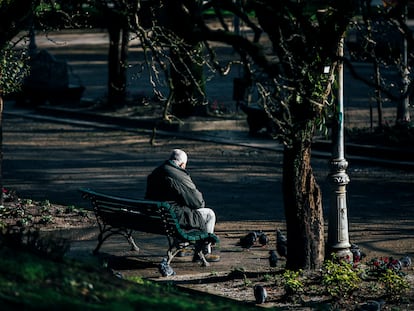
[[405, 113], [338, 236]]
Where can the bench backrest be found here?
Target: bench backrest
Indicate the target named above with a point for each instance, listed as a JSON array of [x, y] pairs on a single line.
[[136, 214]]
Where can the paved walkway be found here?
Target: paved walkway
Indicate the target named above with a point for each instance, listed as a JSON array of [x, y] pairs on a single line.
[[220, 131]]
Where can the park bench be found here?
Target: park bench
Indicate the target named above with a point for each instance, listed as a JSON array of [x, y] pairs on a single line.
[[124, 216], [48, 81]]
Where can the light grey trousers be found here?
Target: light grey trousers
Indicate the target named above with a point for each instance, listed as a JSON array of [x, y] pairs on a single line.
[[210, 218]]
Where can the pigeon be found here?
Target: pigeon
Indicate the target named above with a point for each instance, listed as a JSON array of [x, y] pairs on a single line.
[[357, 254], [165, 269], [394, 264], [260, 294], [281, 244], [405, 261], [263, 239], [248, 240], [117, 274], [272, 259]]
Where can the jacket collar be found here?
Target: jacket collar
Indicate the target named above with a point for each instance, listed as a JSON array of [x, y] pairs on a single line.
[[169, 162]]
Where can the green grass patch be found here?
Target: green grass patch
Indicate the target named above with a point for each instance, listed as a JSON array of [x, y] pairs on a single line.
[[32, 282]]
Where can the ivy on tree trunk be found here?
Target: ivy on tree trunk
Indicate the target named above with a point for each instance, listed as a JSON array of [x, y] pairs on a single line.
[[303, 206]]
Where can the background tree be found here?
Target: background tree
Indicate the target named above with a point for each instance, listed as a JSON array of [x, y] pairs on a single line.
[[381, 37], [187, 85], [115, 17], [112, 15], [13, 18]]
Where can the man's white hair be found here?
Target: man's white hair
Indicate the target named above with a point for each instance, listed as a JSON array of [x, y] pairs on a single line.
[[178, 156]]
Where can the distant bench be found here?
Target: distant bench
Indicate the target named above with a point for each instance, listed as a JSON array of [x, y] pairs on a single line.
[[124, 216], [48, 81]]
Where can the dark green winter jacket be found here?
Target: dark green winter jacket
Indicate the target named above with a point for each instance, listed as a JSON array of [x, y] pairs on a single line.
[[171, 183]]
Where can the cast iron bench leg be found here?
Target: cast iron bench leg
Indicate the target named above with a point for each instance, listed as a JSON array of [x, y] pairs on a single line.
[[134, 247], [204, 263]]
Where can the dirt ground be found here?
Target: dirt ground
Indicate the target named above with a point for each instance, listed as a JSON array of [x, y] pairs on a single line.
[[49, 161]]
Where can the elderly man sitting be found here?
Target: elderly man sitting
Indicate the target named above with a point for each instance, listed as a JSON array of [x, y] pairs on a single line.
[[171, 182]]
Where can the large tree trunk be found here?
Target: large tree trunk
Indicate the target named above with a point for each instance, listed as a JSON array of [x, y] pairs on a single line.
[[303, 207]]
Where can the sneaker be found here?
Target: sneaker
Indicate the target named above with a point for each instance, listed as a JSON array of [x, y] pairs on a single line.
[[212, 258], [185, 252], [209, 257]]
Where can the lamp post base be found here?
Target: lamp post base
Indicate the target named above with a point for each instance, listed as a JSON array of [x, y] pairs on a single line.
[[338, 236], [340, 254]]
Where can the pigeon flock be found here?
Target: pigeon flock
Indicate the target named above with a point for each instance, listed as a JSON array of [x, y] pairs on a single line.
[[252, 238], [260, 238]]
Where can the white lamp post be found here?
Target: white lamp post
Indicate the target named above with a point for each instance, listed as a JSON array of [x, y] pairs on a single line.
[[338, 237]]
